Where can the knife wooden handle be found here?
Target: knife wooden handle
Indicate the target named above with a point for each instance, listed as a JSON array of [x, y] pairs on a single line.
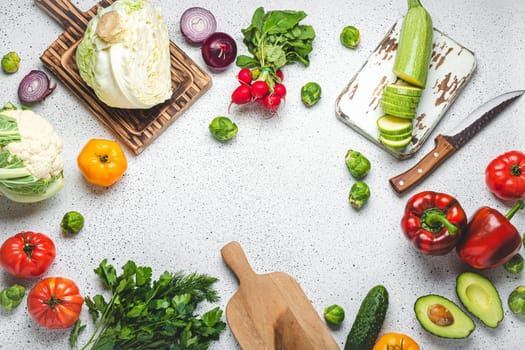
[[233, 255], [425, 166]]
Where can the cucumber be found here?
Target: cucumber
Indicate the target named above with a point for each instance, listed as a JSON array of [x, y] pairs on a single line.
[[404, 90], [395, 144], [391, 125], [369, 320], [415, 45]]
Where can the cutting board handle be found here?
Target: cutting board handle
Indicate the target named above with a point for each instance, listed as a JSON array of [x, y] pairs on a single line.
[[234, 257], [65, 13]]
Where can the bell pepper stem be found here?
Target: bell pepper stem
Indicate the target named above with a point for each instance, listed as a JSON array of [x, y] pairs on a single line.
[[435, 218], [517, 206]]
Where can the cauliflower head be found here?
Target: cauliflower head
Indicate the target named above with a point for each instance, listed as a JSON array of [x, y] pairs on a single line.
[[31, 162]]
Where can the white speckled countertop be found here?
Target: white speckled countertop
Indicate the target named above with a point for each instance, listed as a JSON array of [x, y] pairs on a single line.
[[280, 187]]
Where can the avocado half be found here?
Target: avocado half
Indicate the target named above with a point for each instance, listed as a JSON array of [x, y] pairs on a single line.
[[442, 317], [480, 298]]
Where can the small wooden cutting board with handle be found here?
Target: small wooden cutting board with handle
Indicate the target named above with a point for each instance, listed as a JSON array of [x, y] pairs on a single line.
[[136, 128], [271, 311]]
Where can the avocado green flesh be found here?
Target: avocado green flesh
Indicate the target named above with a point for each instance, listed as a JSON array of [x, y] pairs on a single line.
[[461, 327], [480, 298]]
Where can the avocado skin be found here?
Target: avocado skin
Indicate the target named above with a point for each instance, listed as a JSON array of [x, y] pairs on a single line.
[[464, 327], [471, 280]]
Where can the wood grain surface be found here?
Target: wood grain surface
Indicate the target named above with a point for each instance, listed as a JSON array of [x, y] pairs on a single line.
[[271, 311], [135, 128]]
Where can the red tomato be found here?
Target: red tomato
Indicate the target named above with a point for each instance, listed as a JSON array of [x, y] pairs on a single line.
[[55, 302], [27, 254], [505, 176]]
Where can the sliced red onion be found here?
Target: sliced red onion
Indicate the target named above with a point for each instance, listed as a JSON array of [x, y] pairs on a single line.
[[196, 24], [35, 87]]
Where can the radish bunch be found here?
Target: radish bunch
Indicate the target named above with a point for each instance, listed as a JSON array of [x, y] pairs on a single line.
[[262, 86]]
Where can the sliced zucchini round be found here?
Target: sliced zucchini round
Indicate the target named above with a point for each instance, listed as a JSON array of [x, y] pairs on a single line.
[[398, 111], [397, 144], [391, 125], [404, 89], [399, 101], [396, 137], [408, 98]]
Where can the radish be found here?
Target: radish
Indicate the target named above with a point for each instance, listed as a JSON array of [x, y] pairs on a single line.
[[272, 102], [241, 95], [280, 75], [245, 76], [259, 89], [280, 90]]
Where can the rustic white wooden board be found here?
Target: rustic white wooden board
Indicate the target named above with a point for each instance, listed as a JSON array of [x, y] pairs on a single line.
[[451, 67]]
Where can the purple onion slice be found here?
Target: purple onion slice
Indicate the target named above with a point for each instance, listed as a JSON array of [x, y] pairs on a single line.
[[196, 24], [35, 87]]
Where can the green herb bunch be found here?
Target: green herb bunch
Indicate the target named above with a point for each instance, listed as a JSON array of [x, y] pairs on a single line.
[[275, 38], [147, 314]]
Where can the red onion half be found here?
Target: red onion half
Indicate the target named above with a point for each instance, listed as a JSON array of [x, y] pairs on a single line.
[[35, 87], [196, 24]]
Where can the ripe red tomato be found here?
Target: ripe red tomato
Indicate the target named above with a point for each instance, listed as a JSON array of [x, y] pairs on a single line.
[[505, 175], [55, 302], [27, 254]]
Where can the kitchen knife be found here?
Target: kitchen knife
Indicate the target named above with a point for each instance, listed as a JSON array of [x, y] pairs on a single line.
[[447, 145]]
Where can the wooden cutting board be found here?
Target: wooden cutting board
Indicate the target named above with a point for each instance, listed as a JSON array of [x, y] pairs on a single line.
[[135, 128], [271, 311]]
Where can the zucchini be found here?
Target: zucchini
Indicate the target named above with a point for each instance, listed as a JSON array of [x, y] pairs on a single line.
[[399, 100], [415, 45], [398, 111], [396, 137], [369, 320], [391, 125], [395, 144], [404, 90], [398, 107]]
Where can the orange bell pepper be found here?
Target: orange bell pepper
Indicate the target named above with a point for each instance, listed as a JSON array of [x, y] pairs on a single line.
[[102, 162], [396, 341]]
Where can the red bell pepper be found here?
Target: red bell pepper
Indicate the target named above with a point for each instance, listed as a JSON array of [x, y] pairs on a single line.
[[433, 222], [505, 176], [490, 240]]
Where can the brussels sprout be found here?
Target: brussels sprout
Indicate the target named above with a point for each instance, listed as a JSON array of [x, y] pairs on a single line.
[[10, 62], [350, 37], [311, 94], [72, 222], [223, 129], [357, 164], [12, 296], [514, 265], [517, 301], [359, 194], [334, 314]]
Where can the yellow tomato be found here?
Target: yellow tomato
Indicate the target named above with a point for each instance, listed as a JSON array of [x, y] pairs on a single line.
[[102, 162], [396, 341]]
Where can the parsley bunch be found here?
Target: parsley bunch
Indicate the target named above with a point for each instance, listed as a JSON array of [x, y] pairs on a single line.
[[147, 314]]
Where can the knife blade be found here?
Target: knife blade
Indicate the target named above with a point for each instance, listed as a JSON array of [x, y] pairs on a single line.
[[446, 145]]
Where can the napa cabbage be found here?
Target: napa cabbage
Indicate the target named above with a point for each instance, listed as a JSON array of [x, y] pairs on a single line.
[[124, 55]]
